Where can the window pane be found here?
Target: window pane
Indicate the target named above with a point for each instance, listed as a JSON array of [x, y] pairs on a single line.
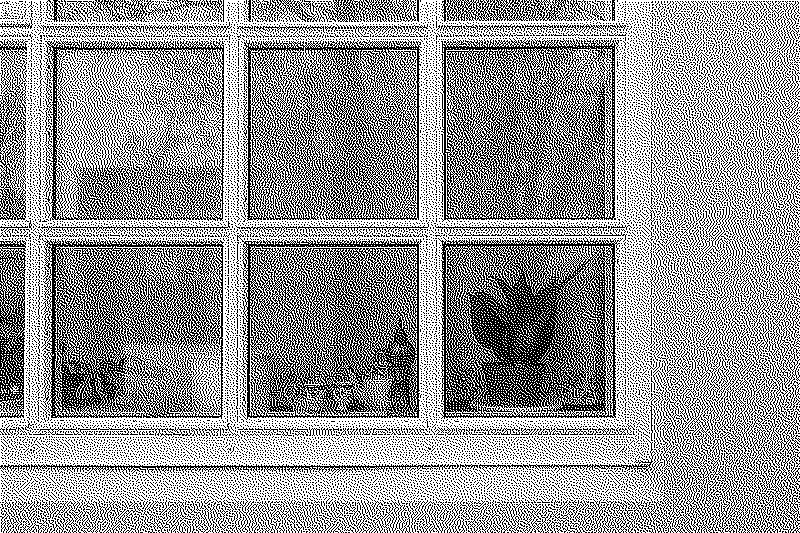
[[12, 329], [333, 11], [13, 10], [138, 134], [493, 10], [12, 144], [528, 329], [333, 134], [137, 331], [526, 133], [332, 331], [139, 10]]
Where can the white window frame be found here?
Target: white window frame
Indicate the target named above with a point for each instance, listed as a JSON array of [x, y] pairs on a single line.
[[428, 439]]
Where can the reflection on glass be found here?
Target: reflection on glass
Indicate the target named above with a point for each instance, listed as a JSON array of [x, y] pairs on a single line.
[[333, 11], [332, 331], [528, 329], [12, 329], [139, 10], [12, 132], [138, 133], [527, 10], [333, 134], [526, 133], [137, 331]]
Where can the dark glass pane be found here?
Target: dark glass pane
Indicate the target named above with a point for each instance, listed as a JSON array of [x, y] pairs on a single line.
[[138, 134], [137, 331], [333, 134], [526, 133], [527, 10], [139, 10], [12, 329], [14, 10], [333, 11], [12, 129], [528, 329], [332, 331]]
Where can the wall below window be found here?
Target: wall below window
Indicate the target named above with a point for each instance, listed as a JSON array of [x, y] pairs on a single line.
[[725, 132]]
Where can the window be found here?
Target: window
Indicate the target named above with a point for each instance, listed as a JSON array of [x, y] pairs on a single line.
[[324, 232]]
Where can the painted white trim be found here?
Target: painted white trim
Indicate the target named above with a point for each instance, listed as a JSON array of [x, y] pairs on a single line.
[[304, 449], [429, 439]]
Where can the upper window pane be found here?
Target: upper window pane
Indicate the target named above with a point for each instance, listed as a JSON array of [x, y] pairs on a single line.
[[333, 134], [333, 11], [332, 331], [14, 10], [12, 129], [139, 10], [528, 133], [138, 133], [137, 330], [12, 329], [527, 10]]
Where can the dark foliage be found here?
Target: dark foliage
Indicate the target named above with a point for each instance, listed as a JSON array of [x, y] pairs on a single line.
[[497, 326]]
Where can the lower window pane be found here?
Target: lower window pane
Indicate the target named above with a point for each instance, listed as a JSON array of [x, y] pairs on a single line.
[[12, 329], [528, 329], [332, 331], [137, 331]]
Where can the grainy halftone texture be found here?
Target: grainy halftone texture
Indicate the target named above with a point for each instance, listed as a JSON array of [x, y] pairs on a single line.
[[12, 329], [137, 330], [141, 140], [579, 358], [526, 132], [527, 10], [315, 311], [333, 133], [333, 11], [12, 133], [139, 10], [13, 10], [726, 183]]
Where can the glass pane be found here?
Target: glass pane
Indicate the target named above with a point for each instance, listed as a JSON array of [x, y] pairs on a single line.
[[12, 144], [137, 331], [138, 134], [333, 11], [139, 10], [528, 329], [516, 10], [333, 134], [332, 331], [526, 133], [14, 10], [12, 329]]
